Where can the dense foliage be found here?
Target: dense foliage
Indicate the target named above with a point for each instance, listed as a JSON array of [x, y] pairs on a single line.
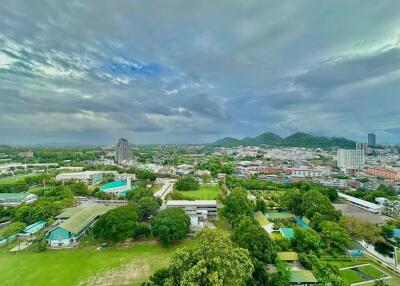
[[11, 229], [117, 224], [215, 260], [170, 225], [216, 166], [187, 184], [236, 205]]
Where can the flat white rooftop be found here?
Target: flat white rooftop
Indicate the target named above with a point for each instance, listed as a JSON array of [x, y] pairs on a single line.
[[360, 202], [192, 203]]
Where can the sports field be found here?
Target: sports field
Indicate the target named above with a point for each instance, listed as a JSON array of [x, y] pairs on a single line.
[[84, 266], [205, 192]]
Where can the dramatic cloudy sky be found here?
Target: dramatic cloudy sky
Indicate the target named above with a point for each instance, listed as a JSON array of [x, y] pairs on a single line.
[[192, 71]]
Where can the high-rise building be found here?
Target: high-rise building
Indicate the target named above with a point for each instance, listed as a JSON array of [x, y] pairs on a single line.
[[371, 139], [350, 159], [122, 153]]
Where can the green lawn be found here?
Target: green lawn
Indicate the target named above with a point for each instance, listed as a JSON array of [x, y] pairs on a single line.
[[372, 271], [351, 276], [206, 192], [277, 236], [14, 179], [82, 266], [260, 217]]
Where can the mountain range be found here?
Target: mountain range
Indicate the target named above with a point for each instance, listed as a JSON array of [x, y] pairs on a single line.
[[298, 139]]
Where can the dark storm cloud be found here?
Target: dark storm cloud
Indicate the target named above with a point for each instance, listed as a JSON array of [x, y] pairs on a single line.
[[342, 71], [182, 71]]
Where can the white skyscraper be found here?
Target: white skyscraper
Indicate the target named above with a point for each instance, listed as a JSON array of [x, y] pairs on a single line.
[[350, 159]]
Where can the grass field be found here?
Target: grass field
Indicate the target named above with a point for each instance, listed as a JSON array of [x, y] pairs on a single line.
[[372, 271], [260, 217], [277, 236], [14, 179], [206, 192], [351, 276], [84, 266]]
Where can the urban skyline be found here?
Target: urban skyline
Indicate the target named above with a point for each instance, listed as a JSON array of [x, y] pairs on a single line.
[[182, 72]]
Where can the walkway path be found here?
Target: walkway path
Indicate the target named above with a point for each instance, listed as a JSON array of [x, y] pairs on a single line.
[[166, 188]]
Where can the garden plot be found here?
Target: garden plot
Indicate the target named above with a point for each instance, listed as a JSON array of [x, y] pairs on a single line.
[[362, 274]]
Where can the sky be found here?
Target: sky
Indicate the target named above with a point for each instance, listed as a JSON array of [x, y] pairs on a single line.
[[171, 71]]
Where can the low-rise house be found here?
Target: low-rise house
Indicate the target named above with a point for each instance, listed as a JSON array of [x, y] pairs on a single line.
[[70, 231], [368, 206], [193, 208], [302, 278], [390, 207], [288, 256], [117, 188], [87, 177]]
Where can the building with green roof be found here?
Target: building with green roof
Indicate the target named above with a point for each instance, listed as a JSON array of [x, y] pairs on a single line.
[[280, 216], [287, 232], [288, 256], [77, 225], [118, 188], [302, 278]]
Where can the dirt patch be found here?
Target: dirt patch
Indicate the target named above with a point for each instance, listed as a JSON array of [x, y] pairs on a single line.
[[124, 275]]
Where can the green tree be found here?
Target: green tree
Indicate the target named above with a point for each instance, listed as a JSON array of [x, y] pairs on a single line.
[[214, 260], [387, 231], [334, 235], [146, 175], [205, 178], [261, 205], [292, 200], [170, 225], [117, 224], [306, 240], [361, 229], [236, 204], [39, 244], [187, 184], [250, 235], [159, 277], [79, 189], [148, 206], [282, 275], [12, 229]]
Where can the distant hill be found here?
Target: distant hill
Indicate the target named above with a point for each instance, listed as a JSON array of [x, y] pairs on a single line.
[[298, 139], [227, 142]]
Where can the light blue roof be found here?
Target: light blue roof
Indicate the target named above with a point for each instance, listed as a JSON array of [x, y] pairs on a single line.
[[288, 232], [300, 222], [111, 185], [396, 232], [33, 228]]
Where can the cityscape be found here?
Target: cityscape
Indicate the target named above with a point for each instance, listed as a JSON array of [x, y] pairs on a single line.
[[169, 143]]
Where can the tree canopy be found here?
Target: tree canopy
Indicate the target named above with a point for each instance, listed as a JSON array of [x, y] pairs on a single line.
[[117, 224], [250, 235], [334, 235], [187, 184], [215, 260], [237, 204], [170, 225]]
